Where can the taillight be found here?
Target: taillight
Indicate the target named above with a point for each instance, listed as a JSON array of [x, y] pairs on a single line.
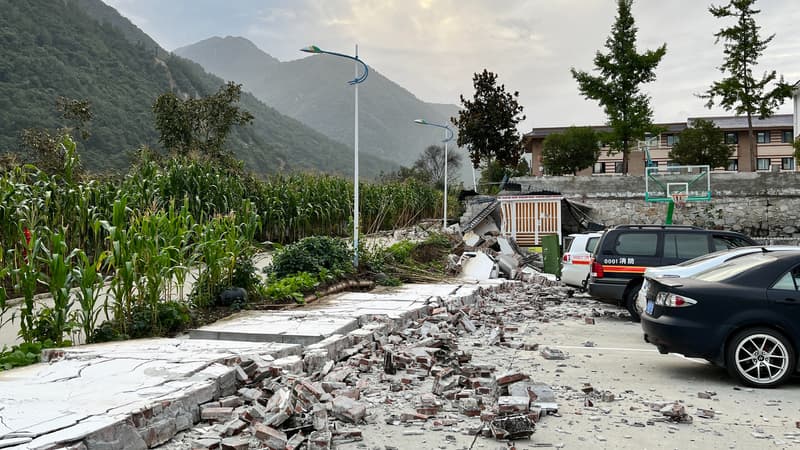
[[671, 300], [566, 257], [597, 269]]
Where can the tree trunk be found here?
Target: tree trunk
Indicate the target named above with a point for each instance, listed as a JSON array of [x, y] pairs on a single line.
[[625, 157], [752, 143]]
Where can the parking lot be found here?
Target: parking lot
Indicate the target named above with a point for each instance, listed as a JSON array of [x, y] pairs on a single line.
[[611, 357]]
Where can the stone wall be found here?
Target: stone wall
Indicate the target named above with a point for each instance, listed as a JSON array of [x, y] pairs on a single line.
[[758, 204]]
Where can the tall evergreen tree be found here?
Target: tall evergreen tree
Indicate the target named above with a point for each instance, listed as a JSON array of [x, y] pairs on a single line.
[[740, 91], [487, 125], [616, 87]]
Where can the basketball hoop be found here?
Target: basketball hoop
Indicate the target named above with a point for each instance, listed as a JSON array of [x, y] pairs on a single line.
[[679, 199]]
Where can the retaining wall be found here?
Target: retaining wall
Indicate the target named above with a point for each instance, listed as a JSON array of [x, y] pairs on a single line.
[[759, 204]]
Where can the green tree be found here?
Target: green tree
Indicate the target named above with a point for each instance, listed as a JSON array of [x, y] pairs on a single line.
[[200, 124], [430, 165], [616, 87], [575, 149], [702, 143], [46, 148], [740, 91], [487, 124], [493, 174]]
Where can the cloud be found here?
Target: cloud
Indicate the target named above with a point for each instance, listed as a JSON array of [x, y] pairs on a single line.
[[432, 47]]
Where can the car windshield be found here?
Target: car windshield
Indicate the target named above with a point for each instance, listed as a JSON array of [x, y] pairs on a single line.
[[734, 267]]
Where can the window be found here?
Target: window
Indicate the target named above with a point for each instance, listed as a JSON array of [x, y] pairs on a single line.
[[734, 267], [672, 139], [618, 167], [636, 244], [591, 244], [787, 163], [599, 167], [786, 136], [762, 137], [762, 163], [685, 245], [733, 165], [731, 137], [726, 242], [789, 281]]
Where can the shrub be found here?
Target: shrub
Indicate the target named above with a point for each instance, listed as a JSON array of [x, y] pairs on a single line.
[[311, 255]]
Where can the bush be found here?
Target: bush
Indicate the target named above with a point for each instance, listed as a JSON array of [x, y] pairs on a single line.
[[291, 288], [312, 255]]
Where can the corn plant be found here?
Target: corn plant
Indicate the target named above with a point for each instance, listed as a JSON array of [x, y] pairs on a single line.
[[26, 275], [89, 278], [58, 276]]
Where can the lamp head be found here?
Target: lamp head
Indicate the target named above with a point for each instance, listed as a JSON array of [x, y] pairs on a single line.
[[421, 121], [311, 49]]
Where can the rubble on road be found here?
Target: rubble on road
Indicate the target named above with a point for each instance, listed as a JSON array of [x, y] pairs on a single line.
[[408, 372]]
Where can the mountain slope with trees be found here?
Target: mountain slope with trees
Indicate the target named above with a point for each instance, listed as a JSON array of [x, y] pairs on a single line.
[[83, 49]]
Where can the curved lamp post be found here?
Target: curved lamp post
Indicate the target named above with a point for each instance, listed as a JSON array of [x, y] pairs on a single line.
[[448, 136], [354, 82]]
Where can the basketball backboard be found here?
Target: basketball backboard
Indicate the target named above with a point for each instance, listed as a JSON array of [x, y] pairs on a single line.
[[662, 183]]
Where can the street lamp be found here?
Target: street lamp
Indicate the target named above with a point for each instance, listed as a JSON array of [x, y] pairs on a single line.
[[448, 136], [354, 82]]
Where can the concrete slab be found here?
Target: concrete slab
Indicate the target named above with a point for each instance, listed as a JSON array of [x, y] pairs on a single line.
[[86, 392]]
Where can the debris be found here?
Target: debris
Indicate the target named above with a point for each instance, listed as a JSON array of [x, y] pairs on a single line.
[[552, 353], [512, 427]]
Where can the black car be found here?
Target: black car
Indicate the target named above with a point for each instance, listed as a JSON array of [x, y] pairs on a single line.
[[743, 314], [626, 251]]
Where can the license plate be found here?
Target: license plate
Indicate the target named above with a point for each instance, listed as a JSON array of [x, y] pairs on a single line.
[[650, 307]]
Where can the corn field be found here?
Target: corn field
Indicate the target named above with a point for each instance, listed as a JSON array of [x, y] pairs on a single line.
[[139, 236]]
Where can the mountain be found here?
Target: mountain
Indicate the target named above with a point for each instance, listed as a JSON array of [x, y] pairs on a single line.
[[84, 49], [314, 91]]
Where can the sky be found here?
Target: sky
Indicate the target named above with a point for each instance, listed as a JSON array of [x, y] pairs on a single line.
[[433, 47]]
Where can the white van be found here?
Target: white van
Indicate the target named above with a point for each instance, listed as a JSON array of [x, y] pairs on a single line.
[[577, 258]]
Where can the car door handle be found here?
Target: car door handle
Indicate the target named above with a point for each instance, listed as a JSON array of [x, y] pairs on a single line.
[[790, 300]]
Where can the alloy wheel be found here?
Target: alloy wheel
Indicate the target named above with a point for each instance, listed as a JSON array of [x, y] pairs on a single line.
[[761, 359]]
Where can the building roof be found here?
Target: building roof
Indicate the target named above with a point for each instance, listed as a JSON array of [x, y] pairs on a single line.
[[724, 122], [740, 122]]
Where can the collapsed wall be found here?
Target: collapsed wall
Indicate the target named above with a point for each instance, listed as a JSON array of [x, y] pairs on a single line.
[[760, 204]]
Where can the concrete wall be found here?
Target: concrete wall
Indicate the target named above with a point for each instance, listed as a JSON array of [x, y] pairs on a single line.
[[759, 204]]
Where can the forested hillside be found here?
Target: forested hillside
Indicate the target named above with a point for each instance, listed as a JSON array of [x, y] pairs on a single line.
[[83, 49]]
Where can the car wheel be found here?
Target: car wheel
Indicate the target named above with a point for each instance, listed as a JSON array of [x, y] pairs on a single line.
[[760, 357], [630, 302]]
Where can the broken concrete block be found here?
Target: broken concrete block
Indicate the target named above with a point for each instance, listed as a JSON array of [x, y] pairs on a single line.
[[206, 444], [319, 440], [270, 437], [296, 441], [510, 404], [320, 417], [349, 410], [289, 364], [442, 385], [281, 401], [235, 427], [477, 266], [510, 377], [470, 407], [552, 353], [235, 443], [216, 413], [232, 401]]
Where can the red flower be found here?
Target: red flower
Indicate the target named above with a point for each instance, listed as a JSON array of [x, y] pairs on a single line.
[[27, 234]]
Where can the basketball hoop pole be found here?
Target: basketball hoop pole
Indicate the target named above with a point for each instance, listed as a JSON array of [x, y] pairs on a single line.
[[670, 210]]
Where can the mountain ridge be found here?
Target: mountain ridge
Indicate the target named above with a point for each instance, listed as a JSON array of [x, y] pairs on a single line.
[[85, 49], [314, 91]]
